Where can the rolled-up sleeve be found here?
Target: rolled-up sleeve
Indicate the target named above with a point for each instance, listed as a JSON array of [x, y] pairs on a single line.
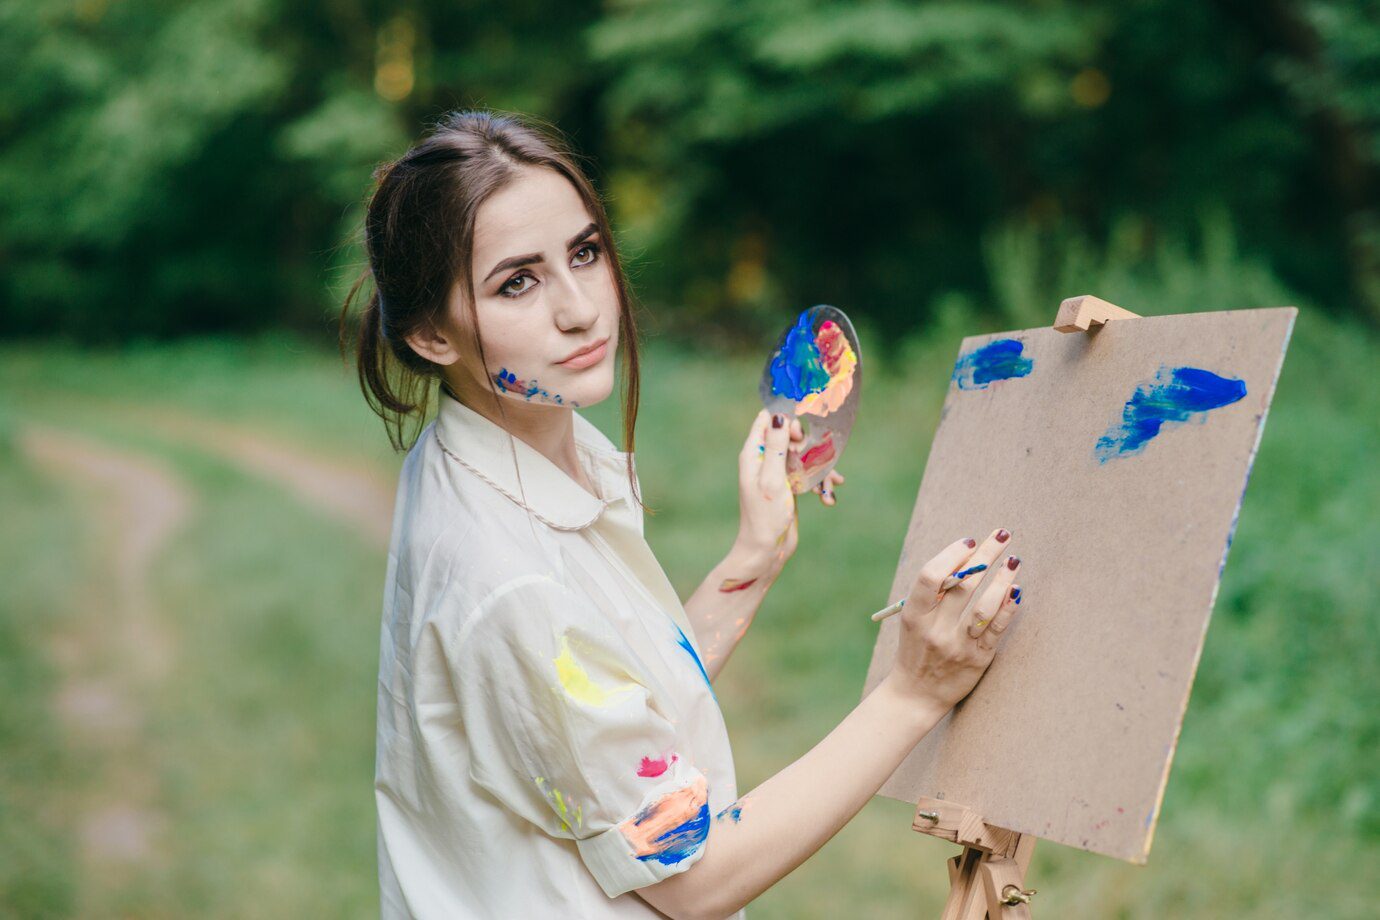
[[568, 730]]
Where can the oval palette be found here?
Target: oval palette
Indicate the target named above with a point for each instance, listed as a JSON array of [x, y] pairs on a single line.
[[815, 374]]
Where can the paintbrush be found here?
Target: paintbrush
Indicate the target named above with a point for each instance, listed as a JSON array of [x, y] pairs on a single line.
[[948, 583]]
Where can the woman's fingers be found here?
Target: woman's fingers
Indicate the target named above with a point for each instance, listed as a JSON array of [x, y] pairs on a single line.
[[981, 561], [750, 457], [827, 486], [947, 560], [773, 467], [990, 636], [994, 594]]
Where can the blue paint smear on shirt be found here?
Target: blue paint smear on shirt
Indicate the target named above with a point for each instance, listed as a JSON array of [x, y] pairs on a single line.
[[1174, 396], [684, 642], [795, 368], [683, 840], [999, 360]]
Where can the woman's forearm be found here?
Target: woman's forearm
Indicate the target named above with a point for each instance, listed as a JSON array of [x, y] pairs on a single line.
[[778, 825], [724, 605]]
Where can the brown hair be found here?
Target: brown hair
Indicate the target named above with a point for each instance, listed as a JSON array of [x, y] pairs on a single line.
[[419, 236]]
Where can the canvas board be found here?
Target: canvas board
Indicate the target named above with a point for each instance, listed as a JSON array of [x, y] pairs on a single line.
[[1122, 492]]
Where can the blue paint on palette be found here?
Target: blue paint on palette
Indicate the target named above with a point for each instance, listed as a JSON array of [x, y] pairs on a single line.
[[682, 840], [796, 371], [1174, 396], [684, 642], [999, 360]]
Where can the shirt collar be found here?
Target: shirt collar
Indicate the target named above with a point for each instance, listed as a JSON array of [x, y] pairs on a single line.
[[550, 493]]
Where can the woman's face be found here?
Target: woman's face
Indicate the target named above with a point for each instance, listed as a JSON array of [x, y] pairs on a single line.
[[543, 291]]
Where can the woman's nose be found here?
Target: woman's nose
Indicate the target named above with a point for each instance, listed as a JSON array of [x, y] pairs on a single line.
[[574, 305]]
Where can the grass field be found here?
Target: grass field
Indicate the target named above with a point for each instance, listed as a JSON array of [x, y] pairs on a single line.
[[188, 727]]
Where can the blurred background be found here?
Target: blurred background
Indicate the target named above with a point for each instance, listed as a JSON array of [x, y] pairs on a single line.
[[196, 499]]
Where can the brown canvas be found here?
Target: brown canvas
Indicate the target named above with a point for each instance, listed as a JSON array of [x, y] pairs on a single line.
[[1123, 528]]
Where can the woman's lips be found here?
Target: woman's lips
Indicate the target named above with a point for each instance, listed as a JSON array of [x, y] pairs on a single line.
[[587, 358]]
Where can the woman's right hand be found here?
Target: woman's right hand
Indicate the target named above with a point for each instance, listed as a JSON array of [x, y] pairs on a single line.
[[946, 644]]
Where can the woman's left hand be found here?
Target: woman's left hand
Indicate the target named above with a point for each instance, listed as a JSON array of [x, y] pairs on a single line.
[[766, 505]]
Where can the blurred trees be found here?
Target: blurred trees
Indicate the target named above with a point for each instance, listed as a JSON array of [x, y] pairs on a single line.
[[201, 165]]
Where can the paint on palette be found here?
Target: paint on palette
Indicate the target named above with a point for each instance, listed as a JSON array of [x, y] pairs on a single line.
[[684, 642], [1172, 397], [655, 766], [729, 585], [579, 686], [800, 467], [814, 367], [511, 383], [559, 803], [1002, 359], [671, 828]]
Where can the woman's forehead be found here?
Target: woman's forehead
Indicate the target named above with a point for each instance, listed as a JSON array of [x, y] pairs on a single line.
[[538, 211]]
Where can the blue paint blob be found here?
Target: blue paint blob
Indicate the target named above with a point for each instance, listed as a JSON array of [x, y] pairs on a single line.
[[999, 360], [682, 840], [795, 368], [971, 571], [1016, 595], [734, 811], [1174, 396], [684, 642]]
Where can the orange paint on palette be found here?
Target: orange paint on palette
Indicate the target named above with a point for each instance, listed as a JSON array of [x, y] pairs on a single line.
[[672, 827]]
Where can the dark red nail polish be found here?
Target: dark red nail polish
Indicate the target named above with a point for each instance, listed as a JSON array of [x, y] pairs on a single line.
[[1013, 561], [1003, 535], [778, 420], [969, 542]]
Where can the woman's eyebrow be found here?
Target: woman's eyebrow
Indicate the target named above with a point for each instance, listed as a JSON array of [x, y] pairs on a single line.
[[532, 258]]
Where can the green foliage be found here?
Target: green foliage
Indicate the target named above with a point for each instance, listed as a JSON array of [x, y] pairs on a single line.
[[173, 168]]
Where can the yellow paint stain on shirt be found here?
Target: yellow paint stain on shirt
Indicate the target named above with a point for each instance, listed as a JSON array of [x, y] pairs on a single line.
[[559, 803], [577, 683]]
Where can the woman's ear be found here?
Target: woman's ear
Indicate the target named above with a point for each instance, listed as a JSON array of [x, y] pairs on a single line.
[[433, 344]]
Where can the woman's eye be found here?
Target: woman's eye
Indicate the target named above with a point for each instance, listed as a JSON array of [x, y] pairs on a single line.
[[507, 290], [593, 253]]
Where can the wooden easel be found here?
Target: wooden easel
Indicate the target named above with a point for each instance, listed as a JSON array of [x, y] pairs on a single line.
[[986, 880]]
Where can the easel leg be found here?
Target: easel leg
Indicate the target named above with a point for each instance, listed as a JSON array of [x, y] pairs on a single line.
[[980, 881]]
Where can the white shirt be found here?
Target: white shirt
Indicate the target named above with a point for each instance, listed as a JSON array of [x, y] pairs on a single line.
[[547, 736]]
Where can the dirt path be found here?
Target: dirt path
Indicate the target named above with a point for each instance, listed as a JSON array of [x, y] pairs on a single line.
[[347, 490], [113, 651]]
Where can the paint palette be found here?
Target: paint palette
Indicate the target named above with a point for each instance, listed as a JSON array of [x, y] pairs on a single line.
[[815, 374]]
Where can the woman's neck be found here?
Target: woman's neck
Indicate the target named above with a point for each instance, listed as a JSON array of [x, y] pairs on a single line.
[[549, 430]]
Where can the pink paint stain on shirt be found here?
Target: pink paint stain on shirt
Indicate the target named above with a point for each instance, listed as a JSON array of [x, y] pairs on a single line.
[[655, 766]]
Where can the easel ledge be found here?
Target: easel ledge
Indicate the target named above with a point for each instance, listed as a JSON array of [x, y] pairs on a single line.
[[986, 880]]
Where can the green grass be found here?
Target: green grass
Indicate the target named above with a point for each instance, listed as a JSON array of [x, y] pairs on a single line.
[[263, 734]]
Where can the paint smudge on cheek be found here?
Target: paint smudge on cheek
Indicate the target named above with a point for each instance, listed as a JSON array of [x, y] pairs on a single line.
[[671, 828], [655, 766], [999, 360], [579, 686], [569, 818], [1174, 396], [509, 382]]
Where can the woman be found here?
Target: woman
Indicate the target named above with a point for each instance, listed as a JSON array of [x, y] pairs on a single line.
[[549, 742]]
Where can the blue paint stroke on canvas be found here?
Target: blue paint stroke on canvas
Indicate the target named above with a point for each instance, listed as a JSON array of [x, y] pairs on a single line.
[[999, 360], [1174, 396], [796, 370], [684, 642], [681, 840]]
